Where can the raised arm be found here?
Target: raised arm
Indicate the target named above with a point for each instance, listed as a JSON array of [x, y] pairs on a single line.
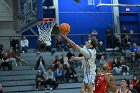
[[71, 42], [77, 58], [110, 82]]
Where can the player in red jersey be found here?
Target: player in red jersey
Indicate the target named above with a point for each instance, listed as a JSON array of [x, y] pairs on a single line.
[[104, 80], [124, 87]]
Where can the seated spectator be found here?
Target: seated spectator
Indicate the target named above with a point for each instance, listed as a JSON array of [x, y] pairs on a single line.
[[6, 62], [56, 60], [133, 52], [1, 89], [94, 34], [116, 67], [11, 56], [80, 62], [40, 80], [124, 67], [70, 74], [117, 43], [138, 58], [40, 64], [135, 83], [69, 55], [101, 51], [19, 59], [127, 42], [102, 61], [50, 79], [24, 44], [1, 48], [134, 49], [58, 43], [132, 89], [59, 74]]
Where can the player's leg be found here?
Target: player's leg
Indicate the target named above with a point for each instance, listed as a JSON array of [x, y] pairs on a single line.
[[90, 88], [83, 88]]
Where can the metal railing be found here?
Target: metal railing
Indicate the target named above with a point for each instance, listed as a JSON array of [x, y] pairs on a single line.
[[77, 38]]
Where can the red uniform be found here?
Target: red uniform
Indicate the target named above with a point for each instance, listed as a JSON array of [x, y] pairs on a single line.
[[119, 91], [100, 84]]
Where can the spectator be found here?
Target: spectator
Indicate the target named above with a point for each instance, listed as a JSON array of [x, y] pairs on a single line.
[[62, 58], [50, 79], [138, 58], [124, 67], [70, 74], [94, 34], [40, 64], [102, 61], [6, 62], [81, 62], [102, 51], [55, 62], [1, 48], [24, 44], [19, 59], [59, 74], [40, 80], [132, 89], [15, 44], [127, 42], [11, 56], [124, 32], [124, 87], [116, 66], [133, 52], [58, 43], [69, 55], [108, 35], [134, 49], [117, 43], [135, 83]]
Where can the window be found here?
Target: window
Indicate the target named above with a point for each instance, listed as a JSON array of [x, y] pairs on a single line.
[[91, 2]]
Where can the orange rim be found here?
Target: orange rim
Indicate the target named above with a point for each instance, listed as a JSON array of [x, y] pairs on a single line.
[[46, 20]]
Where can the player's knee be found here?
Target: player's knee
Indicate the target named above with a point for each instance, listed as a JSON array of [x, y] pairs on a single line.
[[82, 91]]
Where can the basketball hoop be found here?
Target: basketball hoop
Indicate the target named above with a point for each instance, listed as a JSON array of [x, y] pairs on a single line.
[[45, 28]]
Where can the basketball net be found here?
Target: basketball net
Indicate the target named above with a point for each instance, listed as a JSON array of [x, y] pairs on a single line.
[[45, 29]]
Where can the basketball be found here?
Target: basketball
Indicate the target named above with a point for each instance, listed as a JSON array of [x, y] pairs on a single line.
[[64, 28]]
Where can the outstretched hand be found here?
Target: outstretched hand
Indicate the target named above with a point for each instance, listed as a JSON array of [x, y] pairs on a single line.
[[64, 35]]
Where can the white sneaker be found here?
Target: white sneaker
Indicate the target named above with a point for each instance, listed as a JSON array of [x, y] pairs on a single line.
[[51, 89]]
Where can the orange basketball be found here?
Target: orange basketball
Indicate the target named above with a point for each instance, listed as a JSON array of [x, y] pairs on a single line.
[[64, 28]]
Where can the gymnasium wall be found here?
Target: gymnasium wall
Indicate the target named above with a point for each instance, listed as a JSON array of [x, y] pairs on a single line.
[[131, 18], [83, 18]]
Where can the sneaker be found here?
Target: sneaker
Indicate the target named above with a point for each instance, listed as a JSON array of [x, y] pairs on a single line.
[[51, 89], [127, 73]]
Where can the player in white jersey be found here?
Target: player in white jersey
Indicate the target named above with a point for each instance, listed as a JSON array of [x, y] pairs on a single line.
[[89, 55]]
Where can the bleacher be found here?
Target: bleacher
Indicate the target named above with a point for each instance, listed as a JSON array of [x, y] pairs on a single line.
[[22, 78]]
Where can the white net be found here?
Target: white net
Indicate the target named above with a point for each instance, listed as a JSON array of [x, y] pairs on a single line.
[[45, 30]]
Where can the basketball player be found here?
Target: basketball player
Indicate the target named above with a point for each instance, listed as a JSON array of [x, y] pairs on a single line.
[[104, 80], [89, 55], [124, 87]]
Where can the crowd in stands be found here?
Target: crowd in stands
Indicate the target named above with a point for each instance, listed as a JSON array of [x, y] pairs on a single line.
[[55, 74], [62, 69]]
